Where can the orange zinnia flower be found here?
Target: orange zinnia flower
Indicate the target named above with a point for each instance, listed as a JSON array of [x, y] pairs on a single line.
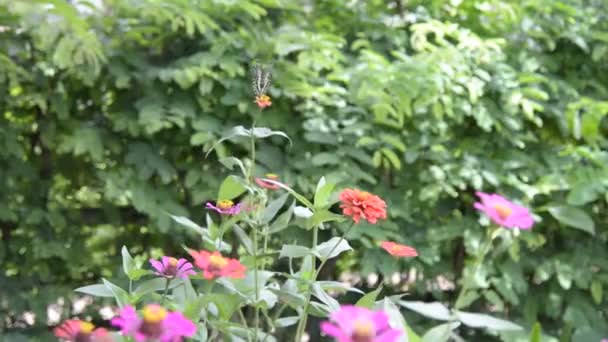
[[398, 250], [361, 204], [214, 265], [263, 101]]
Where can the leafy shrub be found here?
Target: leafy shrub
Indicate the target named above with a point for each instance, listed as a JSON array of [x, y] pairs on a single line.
[[107, 111]]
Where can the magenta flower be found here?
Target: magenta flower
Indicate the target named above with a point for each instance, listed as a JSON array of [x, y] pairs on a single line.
[[225, 207], [503, 212], [170, 267], [157, 324], [355, 324]]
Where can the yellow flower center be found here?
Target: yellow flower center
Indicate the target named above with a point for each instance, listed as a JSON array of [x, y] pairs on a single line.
[[154, 313], [217, 261], [172, 262], [502, 210], [86, 327], [272, 176], [363, 331], [225, 204]]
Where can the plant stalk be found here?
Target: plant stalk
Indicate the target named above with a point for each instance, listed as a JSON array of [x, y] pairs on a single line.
[[468, 281], [304, 319]]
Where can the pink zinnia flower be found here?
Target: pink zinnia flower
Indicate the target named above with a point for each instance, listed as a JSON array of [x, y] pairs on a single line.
[[214, 265], [398, 250], [225, 207], [355, 324], [170, 267], [156, 325], [74, 330], [361, 204], [503, 212], [264, 183]]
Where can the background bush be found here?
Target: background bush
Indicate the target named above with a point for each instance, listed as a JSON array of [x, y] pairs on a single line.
[[107, 110]]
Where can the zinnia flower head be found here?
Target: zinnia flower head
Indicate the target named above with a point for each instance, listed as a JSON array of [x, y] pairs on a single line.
[[398, 250], [225, 207], [74, 330], [503, 212], [157, 324], [356, 324], [214, 265], [361, 204], [267, 185], [170, 267], [263, 101]]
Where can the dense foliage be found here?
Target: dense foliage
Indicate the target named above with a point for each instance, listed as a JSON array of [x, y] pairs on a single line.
[[108, 111]]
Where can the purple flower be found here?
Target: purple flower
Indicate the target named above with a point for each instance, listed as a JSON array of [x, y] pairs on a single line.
[[170, 267], [355, 324], [503, 212], [225, 207], [157, 324]]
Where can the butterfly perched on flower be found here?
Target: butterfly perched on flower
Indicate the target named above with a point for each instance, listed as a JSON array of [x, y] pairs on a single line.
[[260, 81]]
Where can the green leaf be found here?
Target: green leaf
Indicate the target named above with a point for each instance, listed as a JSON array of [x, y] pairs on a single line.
[[596, 291], [440, 333], [323, 193], [194, 307], [331, 303], [156, 284], [226, 304], [120, 295], [369, 299], [287, 321], [273, 208], [574, 217], [475, 320], [244, 238], [434, 310], [536, 334], [231, 188], [128, 264], [332, 248], [97, 290], [294, 251]]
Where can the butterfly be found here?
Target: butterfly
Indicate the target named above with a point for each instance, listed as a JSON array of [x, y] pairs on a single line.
[[260, 79]]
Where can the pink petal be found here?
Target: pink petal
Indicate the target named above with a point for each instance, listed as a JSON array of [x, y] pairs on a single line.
[[380, 320], [390, 335], [333, 331], [157, 265]]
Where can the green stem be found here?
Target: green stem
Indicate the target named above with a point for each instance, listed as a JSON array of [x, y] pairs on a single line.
[[304, 319], [255, 280], [166, 290], [468, 281], [252, 167], [244, 322]]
